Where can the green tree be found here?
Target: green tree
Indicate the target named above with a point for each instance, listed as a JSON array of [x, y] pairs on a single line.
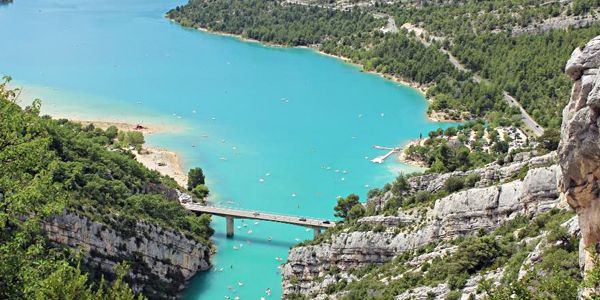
[[195, 177], [201, 191], [343, 207]]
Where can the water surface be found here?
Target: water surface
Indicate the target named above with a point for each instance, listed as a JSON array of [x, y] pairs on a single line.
[[278, 130]]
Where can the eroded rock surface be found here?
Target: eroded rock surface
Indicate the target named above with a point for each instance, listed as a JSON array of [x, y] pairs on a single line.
[[579, 149], [162, 256], [459, 214]]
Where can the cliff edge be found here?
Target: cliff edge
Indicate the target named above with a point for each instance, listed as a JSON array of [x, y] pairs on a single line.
[[579, 148]]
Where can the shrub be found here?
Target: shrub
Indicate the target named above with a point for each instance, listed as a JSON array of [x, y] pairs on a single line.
[[201, 191], [472, 179], [454, 184]]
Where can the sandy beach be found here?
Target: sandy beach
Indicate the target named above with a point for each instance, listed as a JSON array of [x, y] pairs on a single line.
[[145, 128], [164, 161]]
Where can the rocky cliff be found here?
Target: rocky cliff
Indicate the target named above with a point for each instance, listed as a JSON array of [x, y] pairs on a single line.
[[161, 259], [579, 148], [498, 197]]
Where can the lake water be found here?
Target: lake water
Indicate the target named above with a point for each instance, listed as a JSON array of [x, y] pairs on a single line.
[[277, 130]]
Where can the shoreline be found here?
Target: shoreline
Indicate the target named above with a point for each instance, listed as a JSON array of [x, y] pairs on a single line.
[[411, 162], [422, 89], [125, 126], [164, 161]]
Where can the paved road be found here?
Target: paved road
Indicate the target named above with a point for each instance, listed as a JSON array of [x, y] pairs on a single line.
[[245, 214], [527, 119]]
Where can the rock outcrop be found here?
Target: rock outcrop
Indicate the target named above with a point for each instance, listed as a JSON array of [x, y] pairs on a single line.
[[163, 256], [459, 214], [579, 148]]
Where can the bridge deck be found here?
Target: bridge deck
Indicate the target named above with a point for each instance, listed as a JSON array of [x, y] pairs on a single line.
[[245, 214]]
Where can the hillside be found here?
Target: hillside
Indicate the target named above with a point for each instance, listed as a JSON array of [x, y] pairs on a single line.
[[514, 46], [76, 208], [509, 230]]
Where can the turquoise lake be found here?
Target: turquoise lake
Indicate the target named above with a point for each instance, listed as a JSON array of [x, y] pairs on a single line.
[[302, 122]]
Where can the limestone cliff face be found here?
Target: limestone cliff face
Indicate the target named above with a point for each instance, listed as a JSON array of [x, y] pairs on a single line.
[[162, 256], [459, 214], [579, 149]]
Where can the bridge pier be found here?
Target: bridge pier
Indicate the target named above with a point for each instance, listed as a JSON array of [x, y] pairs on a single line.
[[229, 226], [317, 231]]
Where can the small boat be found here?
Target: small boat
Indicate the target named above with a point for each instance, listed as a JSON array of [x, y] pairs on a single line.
[[293, 195], [261, 180], [256, 223], [268, 174], [343, 179], [223, 158], [269, 238], [297, 239], [249, 231], [194, 111], [235, 248], [240, 283]]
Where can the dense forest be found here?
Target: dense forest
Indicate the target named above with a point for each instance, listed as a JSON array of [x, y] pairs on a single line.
[[50, 167]]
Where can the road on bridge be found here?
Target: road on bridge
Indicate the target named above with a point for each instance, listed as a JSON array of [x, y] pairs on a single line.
[[230, 214]]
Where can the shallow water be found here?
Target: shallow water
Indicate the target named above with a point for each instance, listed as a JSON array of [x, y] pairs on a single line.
[[304, 123]]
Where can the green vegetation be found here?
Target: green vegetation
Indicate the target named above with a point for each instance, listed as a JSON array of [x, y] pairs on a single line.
[[196, 183], [50, 167], [470, 145], [529, 67], [349, 208], [556, 277]]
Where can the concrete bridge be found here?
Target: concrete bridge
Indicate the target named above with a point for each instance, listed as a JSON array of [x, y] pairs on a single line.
[[231, 214]]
